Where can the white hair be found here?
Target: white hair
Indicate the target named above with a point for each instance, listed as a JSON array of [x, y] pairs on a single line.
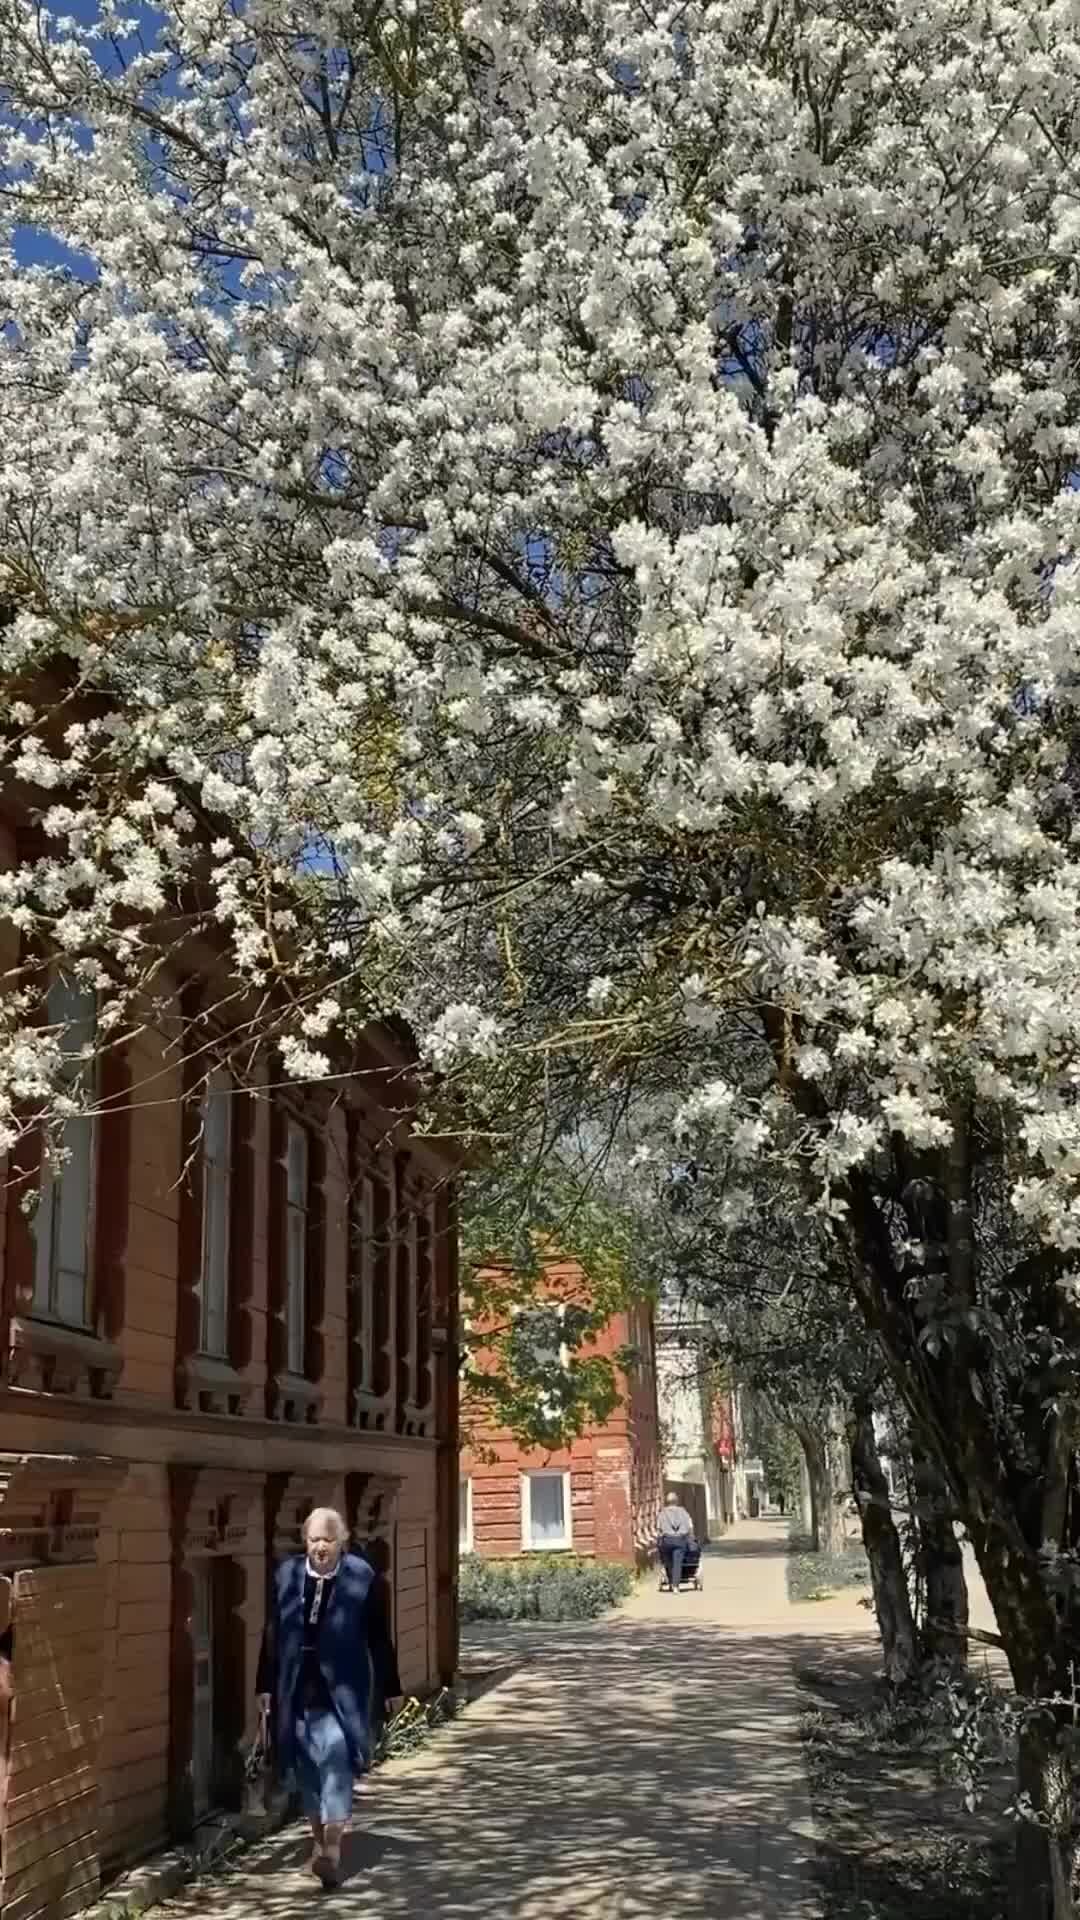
[[327, 1517]]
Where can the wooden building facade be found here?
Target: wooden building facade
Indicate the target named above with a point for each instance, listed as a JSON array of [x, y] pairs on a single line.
[[231, 1303]]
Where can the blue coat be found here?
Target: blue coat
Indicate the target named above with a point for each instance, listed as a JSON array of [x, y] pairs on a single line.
[[354, 1652]]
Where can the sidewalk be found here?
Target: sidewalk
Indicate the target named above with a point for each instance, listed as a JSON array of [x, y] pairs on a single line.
[[625, 1759]]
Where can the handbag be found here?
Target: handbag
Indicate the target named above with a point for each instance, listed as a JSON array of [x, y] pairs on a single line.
[[258, 1765]]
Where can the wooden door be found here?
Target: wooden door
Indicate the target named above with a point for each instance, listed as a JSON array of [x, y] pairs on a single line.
[[6, 1691], [49, 1833], [202, 1732]]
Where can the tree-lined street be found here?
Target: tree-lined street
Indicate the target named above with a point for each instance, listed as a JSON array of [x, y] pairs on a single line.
[[651, 1755], [538, 580]]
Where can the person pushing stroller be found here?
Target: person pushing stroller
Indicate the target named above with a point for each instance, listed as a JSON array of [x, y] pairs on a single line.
[[675, 1539]]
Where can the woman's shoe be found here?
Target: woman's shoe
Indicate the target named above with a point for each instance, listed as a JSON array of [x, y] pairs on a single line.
[[327, 1870]]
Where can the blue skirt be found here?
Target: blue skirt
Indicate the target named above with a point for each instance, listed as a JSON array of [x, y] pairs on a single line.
[[324, 1772]]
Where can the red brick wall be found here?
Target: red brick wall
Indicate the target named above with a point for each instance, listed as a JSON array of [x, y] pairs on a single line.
[[614, 1469], [132, 1553]]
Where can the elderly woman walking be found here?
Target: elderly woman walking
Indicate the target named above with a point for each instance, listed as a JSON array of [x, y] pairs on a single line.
[[326, 1653]]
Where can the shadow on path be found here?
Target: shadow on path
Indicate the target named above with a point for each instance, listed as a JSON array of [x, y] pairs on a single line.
[[629, 1755]]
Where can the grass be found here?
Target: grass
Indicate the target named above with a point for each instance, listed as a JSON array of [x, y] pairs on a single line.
[[813, 1576]]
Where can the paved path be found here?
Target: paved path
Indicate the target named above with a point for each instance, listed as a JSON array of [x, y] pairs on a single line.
[[654, 1750]]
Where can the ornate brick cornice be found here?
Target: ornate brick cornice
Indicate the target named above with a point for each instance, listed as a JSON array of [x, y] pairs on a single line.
[[52, 1506], [215, 1511]]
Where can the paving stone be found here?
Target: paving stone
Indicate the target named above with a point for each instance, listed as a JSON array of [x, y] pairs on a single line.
[[633, 1767]]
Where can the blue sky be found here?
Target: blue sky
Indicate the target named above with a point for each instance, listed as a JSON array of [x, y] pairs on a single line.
[[32, 246]]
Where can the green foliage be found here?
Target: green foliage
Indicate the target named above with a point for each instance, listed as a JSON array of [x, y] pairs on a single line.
[[411, 1725], [543, 1586], [777, 1447], [530, 1366], [813, 1576]]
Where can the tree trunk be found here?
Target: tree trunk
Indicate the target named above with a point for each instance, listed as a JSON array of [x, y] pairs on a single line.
[[999, 1486], [892, 1603], [806, 1499], [1039, 1643], [826, 1525], [839, 1469], [1043, 1863], [941, 1566]]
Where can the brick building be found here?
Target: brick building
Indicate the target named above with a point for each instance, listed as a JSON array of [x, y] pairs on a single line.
[[234, 1302], [599, 1495]]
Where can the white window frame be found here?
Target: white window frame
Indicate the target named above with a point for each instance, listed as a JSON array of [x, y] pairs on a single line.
[[558, 1308], [465, 1533], [79, 1146], [297, 1223], [546, 1402], [215, 1261], [528, 1544]]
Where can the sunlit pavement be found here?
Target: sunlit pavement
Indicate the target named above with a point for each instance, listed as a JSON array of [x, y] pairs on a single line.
[[644, 1765]]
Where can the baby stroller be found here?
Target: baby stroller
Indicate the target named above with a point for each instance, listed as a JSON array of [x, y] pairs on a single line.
[[691, 1569]]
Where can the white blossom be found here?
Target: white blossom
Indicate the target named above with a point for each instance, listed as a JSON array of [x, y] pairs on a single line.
[[641, 506]]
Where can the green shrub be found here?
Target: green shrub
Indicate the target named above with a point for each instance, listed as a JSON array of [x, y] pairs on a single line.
[[813, 1576], [412, 1723], [541, 1586]]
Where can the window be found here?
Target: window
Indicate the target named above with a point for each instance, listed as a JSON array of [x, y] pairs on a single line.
[[217, 1114], [63, 1221], [296, 1244], [425, 1302], [540, 1346], [545, 1510], [411, 1330], [362, 1281], [538, 1341], [465, 1516], [405, 1262]]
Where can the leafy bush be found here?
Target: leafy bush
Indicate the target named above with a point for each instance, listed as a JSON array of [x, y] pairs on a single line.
[[813, 1576], [543, 1586], [412, 1723]]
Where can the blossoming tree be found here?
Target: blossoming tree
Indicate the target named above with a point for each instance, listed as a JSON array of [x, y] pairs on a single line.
[[582, 497]]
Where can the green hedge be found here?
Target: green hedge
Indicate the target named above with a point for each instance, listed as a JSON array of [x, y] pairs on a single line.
[[540, 1586]]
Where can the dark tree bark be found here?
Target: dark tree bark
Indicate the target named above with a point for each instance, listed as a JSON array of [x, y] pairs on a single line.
[[892, 1602], [1009, 1491], [984, 1377], [941, 1567]]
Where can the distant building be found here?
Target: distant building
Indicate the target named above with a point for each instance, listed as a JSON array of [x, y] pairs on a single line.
[[700, 1423], [598, 1496]]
